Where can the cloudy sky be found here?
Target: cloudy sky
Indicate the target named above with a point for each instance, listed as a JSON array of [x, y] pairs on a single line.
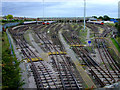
[[60, 8]]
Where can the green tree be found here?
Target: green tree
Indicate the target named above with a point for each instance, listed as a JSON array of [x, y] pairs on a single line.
[[9, 16], [100, 17], [105, 17], [94, 16], [11, 77]]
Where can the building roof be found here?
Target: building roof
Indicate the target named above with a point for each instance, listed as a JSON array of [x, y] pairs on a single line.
[[92, 19]]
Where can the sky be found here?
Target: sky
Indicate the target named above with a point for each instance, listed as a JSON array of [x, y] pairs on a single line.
[[60, 8]]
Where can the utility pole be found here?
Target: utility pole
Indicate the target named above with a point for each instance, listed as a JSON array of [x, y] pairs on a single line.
[[84, 12], [43, 10]]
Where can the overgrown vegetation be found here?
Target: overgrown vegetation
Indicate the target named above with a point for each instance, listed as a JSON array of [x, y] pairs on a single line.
[[11, 77], [116, 45], [114, 56], [118, 39], [117, 25], [82, 36], [0, 59]]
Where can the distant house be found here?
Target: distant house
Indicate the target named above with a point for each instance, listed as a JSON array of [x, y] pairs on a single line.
[[111, 21], [114, 20], [18, 18]]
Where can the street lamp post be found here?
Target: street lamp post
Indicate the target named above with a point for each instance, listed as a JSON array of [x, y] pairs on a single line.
[[43, 10], [84, 12]]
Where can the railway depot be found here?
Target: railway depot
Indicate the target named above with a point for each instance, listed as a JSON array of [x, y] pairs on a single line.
[[57, 60], [60, 44]]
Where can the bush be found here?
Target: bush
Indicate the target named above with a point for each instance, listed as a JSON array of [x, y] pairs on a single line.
[[11, 77]]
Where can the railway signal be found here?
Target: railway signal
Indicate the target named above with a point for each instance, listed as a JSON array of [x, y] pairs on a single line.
[[43, 23], [48, 23], [89, 42]]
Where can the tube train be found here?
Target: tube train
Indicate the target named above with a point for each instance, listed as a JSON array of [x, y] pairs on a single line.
[[48, 22], [96, 22], [43, 22]]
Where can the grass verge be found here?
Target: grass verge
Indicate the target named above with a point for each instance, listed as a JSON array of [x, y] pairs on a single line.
[[118, 39], [116, 45]]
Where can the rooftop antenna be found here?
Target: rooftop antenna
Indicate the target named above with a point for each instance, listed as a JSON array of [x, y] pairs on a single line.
[[84, 12]]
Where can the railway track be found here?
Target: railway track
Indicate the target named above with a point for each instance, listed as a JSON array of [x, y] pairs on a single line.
[[92, 65], [63, 68], [103, 75], [109, 64], [59, 71], [42, 74], [106, 58], [63, 76]]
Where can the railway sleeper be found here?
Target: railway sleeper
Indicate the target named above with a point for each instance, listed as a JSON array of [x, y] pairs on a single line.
[[68, 77], [60, 86], [47, 75], [109, 79], [65, 79], [53, 87], [63, 74], [70, 86], [98, 73], [106, 82], [44, 81], [58, 82], [63, 71], [48, 78], [100, 76], [66, 82], [51, 83], [112, 72], [115, 76]]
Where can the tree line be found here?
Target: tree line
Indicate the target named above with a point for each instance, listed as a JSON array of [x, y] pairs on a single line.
[[105, 17]]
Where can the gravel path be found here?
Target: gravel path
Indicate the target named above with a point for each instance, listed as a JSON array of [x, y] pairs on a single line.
[[42, 54], [88, 36], [82, 72]]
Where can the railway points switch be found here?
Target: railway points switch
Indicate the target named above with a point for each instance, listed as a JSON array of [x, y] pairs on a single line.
[[57, 53], [77, 45], [35, 59]]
